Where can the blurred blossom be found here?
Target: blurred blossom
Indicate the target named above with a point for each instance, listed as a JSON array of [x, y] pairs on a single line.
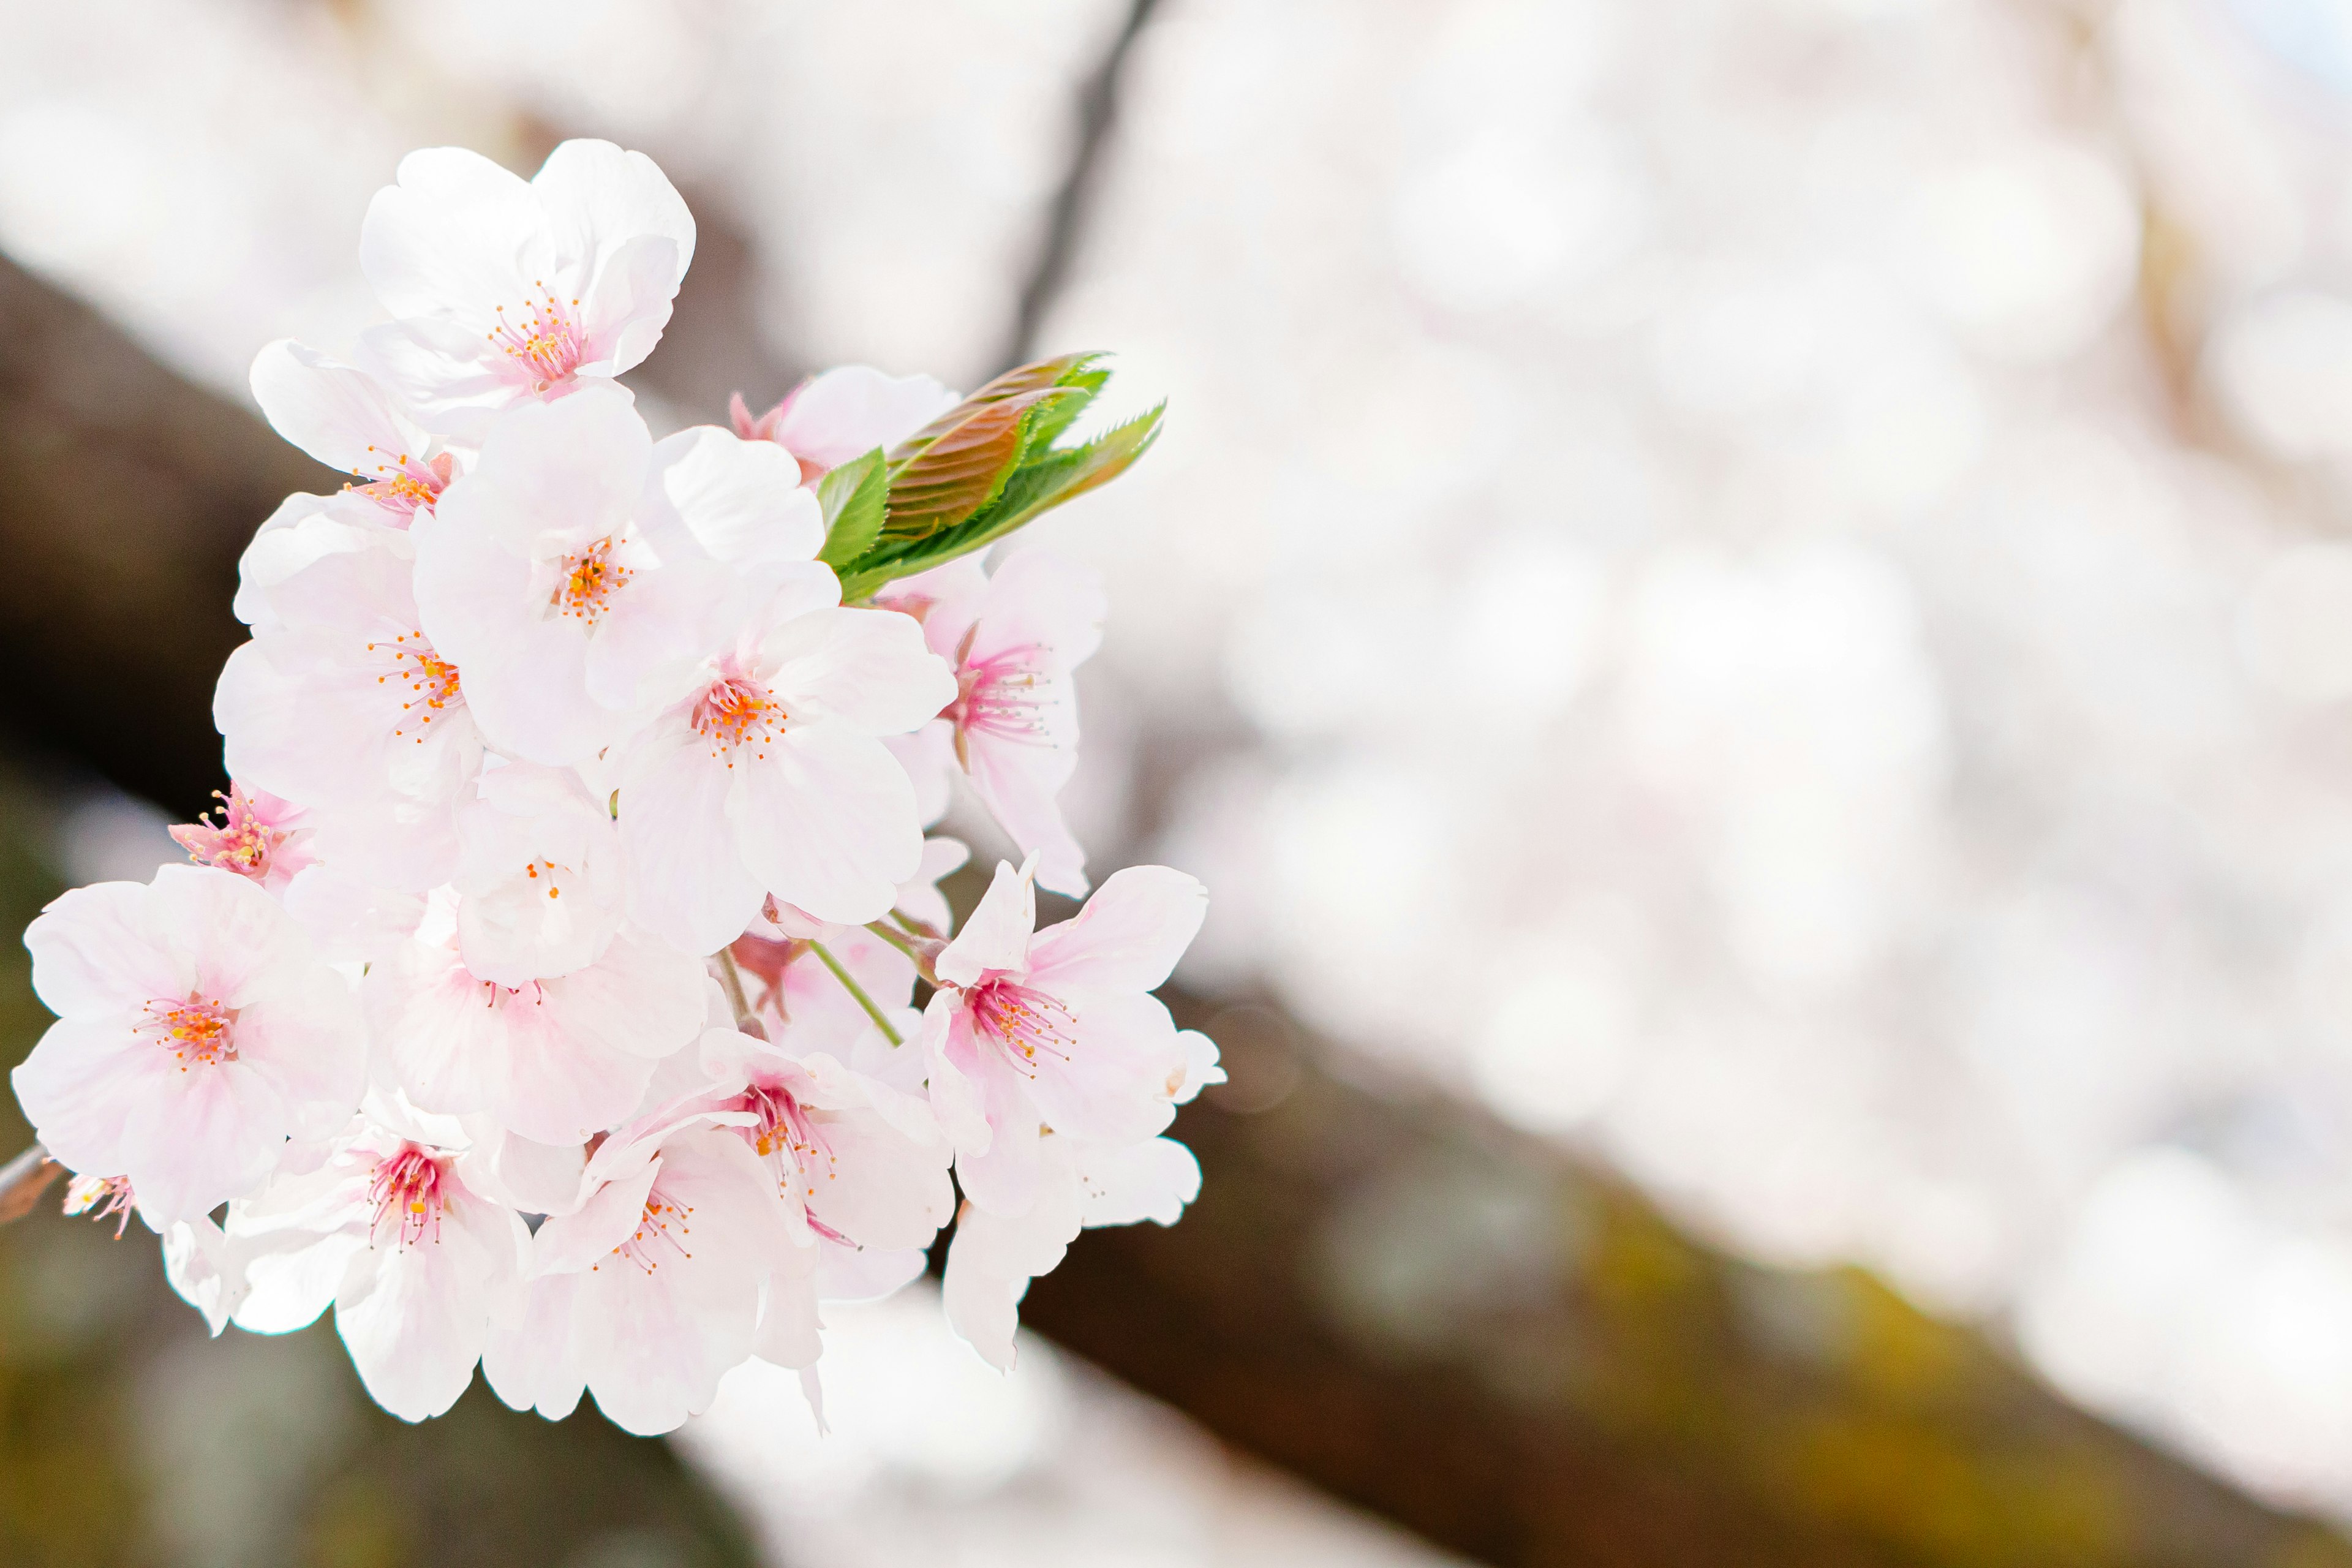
[[1763, 588], [934, 1458]]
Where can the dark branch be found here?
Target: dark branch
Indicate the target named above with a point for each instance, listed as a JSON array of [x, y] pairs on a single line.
[[1065, 220]]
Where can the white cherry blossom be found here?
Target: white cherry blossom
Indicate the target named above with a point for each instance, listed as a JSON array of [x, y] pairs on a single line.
[[553, 1060], [197, 1031], [1058, 1029], [769, 776], [579, 572], [415, 1263], [647, 1292], [344, 417], [539, 874], [341, 703], [505, 291]]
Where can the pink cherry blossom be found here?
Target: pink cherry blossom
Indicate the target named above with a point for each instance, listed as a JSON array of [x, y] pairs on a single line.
[[258, 837], [1058, 1030], [197, 1032], [654, 1287], [843, 413], [857, 1163], [346, 419], [553, 1060], [579, 570], [1079, 1186], [1015, 638], [767, 777], [416, 1264], [504, 291]]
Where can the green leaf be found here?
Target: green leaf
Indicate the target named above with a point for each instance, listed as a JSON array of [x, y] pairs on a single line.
[[1034, 488], [852, 497], [1021, 383], [960, 471]]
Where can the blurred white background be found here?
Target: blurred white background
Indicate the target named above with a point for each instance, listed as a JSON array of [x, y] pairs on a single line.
[[1766, 587]]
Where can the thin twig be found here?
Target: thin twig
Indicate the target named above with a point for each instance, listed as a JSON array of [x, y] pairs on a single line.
[[1097, 106], [22, 1180], [857, 991], [731, 978]]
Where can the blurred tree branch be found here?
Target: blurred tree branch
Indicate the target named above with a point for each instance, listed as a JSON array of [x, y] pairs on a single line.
[[126, 496], [1443, 1321], [1454, 1325]]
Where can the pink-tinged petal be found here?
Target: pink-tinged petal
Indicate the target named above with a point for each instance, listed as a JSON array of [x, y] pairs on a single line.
[[997, 934], [595, 196], [621, 316], [688, 883], [878, 1188], [339, 414], [1018, 780], [920, 898], [641, 999], [740, 499], [849, 411], [868, 1273], [955, 1095], [303, 529], [928, 757], [993, 1257], [573, 470], [293, 1277], [536, 1178], [1119, 1082], [456, 233], [789, 1330], [206, 1269], [1002, 1178], [659, 1328], [213, 1134], [78, 1087], [1127, 939], [1201, 1069], [828, 822], [530, 1362], [1128, 1184], [99, 953], [452, 380], [416, 1321], [868, 668], [1037, 599], [568, 1244]]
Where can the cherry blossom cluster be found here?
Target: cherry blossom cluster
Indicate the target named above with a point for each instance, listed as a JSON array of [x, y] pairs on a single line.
[[543, 996]]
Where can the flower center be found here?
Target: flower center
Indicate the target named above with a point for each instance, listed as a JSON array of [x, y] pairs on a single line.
[[1024, 1024], [736, 710], [545, 344], [1003, 697], [196, 1030], [660, 1235], [432, 682], [405, 485], [589, 582], [242, 842], [103, 1198], [405, 1193]]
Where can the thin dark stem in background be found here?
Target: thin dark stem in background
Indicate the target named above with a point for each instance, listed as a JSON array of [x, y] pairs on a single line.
[[1065, 220]]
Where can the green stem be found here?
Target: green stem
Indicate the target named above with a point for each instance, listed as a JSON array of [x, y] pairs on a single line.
[[731, 978], [922, 964], [857, 991]]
